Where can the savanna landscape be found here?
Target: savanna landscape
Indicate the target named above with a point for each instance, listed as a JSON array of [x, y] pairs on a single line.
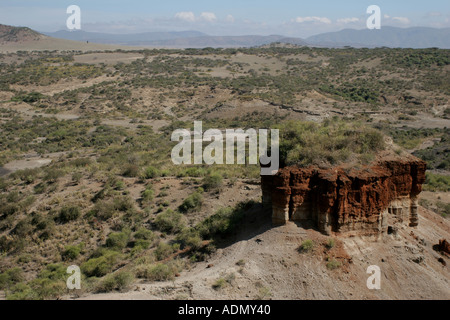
[[86, 176]]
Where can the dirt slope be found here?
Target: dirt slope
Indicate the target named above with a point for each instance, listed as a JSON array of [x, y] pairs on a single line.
[[270, 266]]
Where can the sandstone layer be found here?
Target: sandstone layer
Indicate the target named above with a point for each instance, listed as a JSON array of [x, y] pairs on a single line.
[[373, 199]]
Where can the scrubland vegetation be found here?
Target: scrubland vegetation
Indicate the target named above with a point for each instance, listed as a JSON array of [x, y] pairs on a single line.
[[112, 201]]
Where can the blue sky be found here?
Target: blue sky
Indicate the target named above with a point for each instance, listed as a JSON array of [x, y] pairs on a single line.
[[232, 17]]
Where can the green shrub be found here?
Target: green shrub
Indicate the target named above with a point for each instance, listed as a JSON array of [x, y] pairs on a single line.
[[189, 237], [11, 277], [333, 264], [22, 291], [169, 221], [23, 228], [53, 175], [148, 195], [223, 222], [29, 97], [106, 209], [131, 171], [71, 253], [49, 284], [330, 243], [212, 182], [192, 202], [159, 271], [69, 213], [98, 267], [333, 142], [437, 182], [81, 162], [163, 251], [144, 234], [118, 240], [150, 173], [306, 246], [219, 284], [119, 281]]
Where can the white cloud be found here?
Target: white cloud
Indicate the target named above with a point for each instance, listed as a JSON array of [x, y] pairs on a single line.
[[313, 19], [186, 16], [387, 16], [348, 20], [208, 16], [229, 18], [403, 20]]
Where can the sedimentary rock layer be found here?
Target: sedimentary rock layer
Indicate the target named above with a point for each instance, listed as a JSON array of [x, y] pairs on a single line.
[[339, 200]]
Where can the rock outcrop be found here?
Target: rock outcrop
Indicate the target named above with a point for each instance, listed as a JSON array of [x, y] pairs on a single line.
[[365, 200], [444, 246]]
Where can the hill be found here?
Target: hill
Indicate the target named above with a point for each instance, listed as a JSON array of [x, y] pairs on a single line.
[[14, 39], [418, 37], [18, 34]]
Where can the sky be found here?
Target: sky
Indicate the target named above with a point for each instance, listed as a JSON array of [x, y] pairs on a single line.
[[227, 17]]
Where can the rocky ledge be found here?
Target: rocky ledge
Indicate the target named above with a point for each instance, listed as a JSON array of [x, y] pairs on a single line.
[[370, 200]]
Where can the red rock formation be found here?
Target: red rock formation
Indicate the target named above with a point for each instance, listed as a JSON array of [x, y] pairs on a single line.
[[341, 200]]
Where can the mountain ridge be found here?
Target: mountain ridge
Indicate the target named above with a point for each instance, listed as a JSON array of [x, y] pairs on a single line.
[[393, 37], [415, 37]]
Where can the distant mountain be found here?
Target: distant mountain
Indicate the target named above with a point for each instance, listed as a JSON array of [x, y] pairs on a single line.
[[186, 39], [226, 41], [10, 34], [418, 37]]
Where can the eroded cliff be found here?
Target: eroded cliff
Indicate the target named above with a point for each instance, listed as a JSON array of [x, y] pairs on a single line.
[[368, 200]]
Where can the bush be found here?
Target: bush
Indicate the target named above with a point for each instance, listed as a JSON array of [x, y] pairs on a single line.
[[306, 246], [131, 171], [333, 264], [437, 182], [169, 221], [164, 250], [98, 267], [144, 234], [106, 209], [223, 222], [192, 203], [10, 278], [190, 237], [53, 175], [119, 281], [29, 97], [333, 142], [23, 228], [330, 243], [219, 284], [69, 213], [49, 284], [71, 253], [148, 195], [22, 291], [81, 162], [159, 271], [118, 240], [150, 173], [212, 182]]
